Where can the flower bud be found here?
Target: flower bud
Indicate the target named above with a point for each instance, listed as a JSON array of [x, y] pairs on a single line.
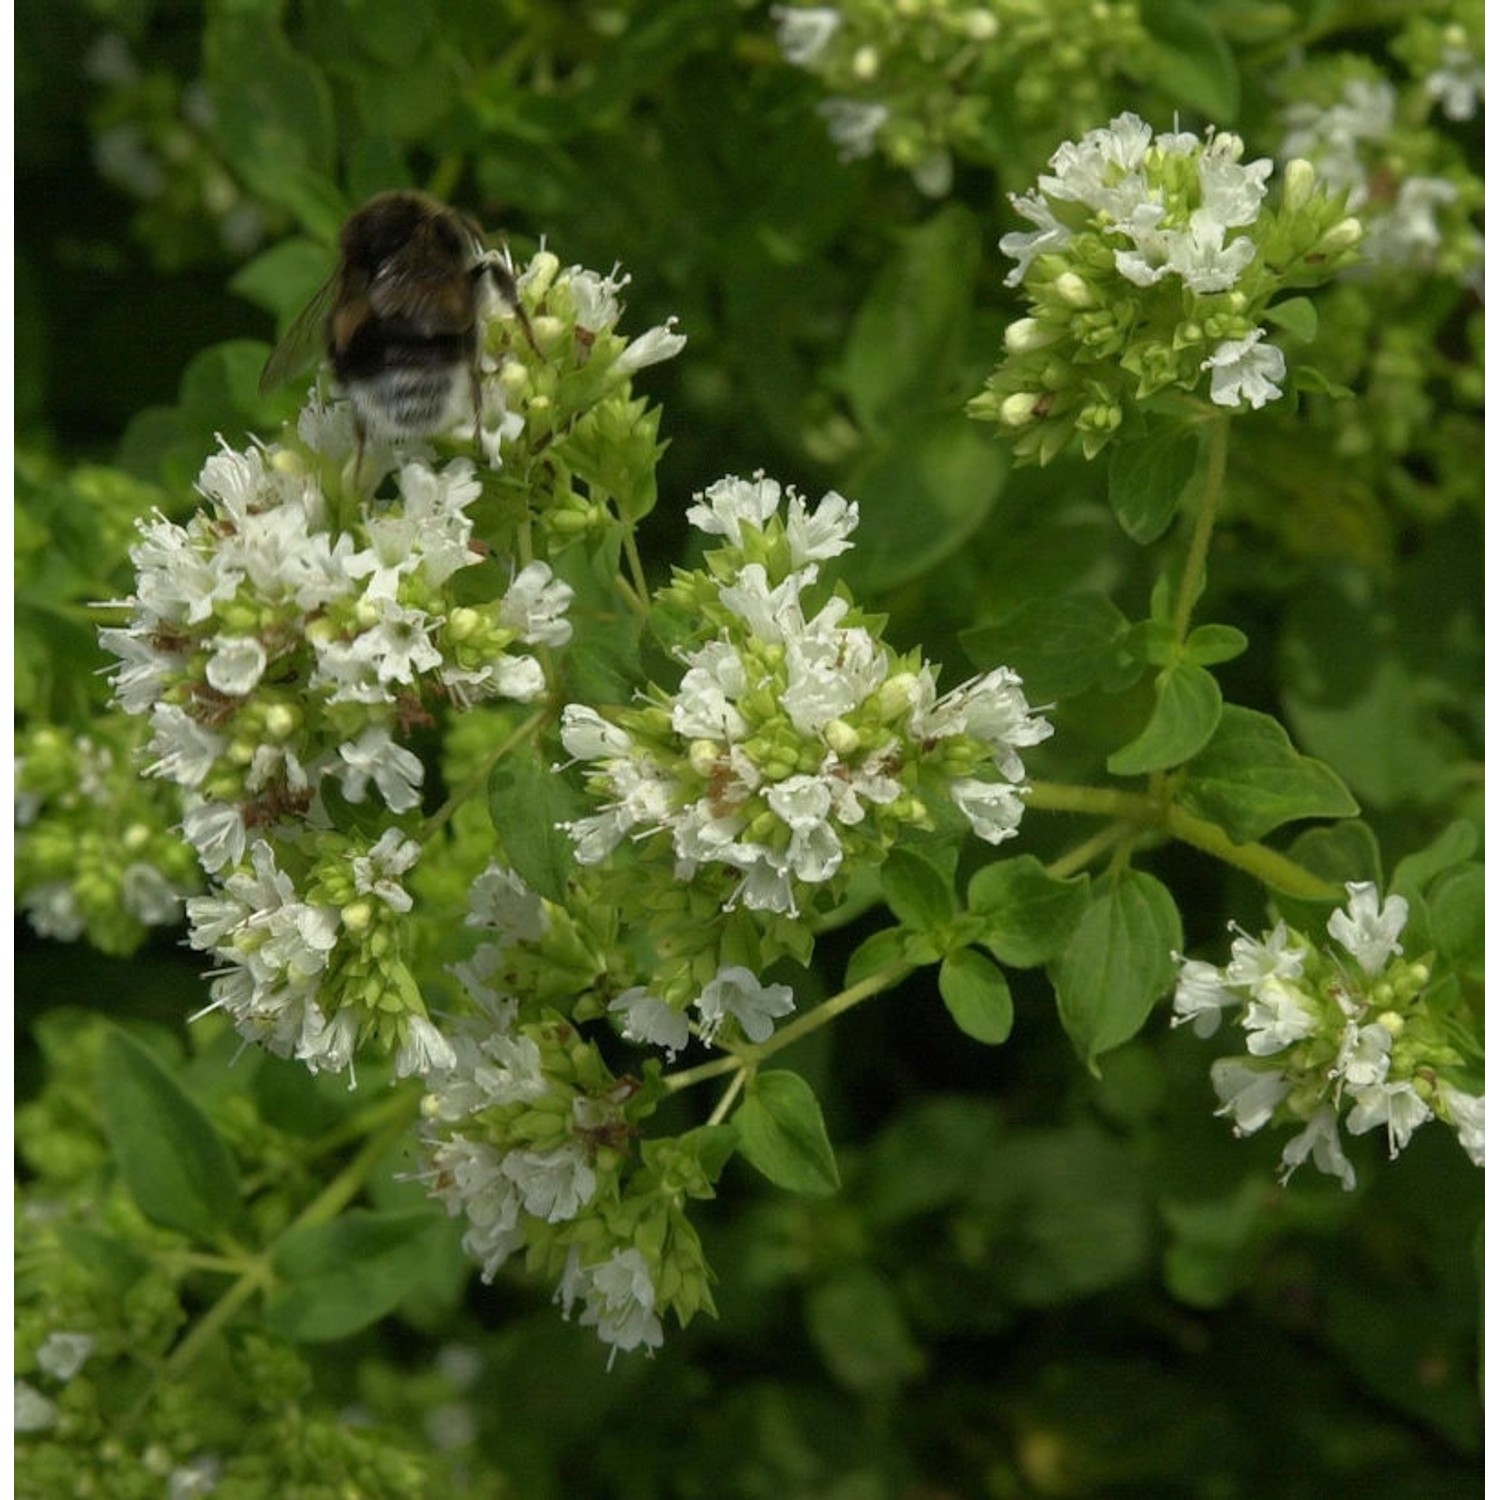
[[1018, 410], [841, 738], [1029, 333], [1344, 235], [1298, 184], [1074, 291]]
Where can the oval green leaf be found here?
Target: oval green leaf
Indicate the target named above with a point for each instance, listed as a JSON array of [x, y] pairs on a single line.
[[782, 1134], [977, 996], [175, 1164]]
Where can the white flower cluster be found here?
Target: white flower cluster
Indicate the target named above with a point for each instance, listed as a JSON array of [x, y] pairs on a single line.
[[1171, 204], [790, 728], [1351, 143], [1328, 1032], [277, 950], [272, 649], [514, 1122]]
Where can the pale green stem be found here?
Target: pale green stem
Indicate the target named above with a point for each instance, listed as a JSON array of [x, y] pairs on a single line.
[[1195, 568], [1142, 812]]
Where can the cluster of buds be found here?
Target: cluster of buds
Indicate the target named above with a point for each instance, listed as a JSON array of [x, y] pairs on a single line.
[[533, 1139], [1357, 1037], [95, 854], [797, 742], [1154, 261], [917, 79]]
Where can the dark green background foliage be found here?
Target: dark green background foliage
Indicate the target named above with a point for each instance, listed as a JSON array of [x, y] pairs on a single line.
[[1031, 1281]]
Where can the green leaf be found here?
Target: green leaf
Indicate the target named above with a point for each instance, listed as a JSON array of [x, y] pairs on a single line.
[[344, 1275], [923, 491], [878, 951], [856, 1321], [1297, 316], [1061, 645], [1249, 779], [1455, 844], [1456, 915], [1188, 704], [274, 118], [1209, 645], [1191, 61], [918, 893], [176, 1165], [1027, 915], [977, 996], [1147, 476], [782, 1134], [909, 327], [528, 800], [1118, 964]]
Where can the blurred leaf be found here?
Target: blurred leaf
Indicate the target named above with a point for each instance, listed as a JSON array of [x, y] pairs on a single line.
[[1147, 476], [782, 1134], [274, 117], [1061, 645], [1297, 316], [856, 1321], [977, 996], [1249, 779], [344, 1275], [1191, 60], [907, 330], [922, 493], [1118, 964], [174, 1162]]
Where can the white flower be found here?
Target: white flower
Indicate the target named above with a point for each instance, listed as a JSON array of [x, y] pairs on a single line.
[[466, 1175], [237, 663], [1048, 238], [1368, 930], [1252, 961], [586, 735], [375, 873], [651, 1020], [1465, 1112], [853, 125], [1321, 1140], [375, 756], [499, 899], [1457, 83], [53, 911], [823, 534], [216, 830], [619, 1299], [536, 606], [62, 1355], [553, 1185], [993, 808], [1201, 997], [1245, 371], [1397, 1106], [736, 992], [730, 503], [1247, 1093], [423, 1049], [1278, 1015], [185, 750], [803, 32], [148, 895], [33, 1411], [651, 348]]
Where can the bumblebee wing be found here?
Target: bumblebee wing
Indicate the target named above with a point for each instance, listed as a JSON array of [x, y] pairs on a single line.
[[303, 341]]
